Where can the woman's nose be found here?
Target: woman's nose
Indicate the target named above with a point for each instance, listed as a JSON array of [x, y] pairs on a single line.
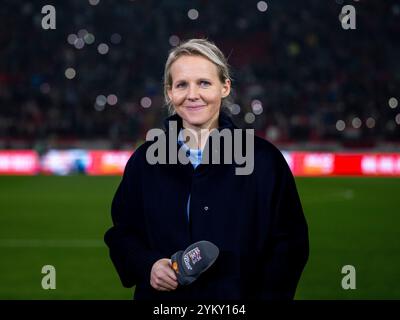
[[193, 92]]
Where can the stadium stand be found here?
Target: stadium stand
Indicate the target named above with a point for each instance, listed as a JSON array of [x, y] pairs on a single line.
[[300, 79]]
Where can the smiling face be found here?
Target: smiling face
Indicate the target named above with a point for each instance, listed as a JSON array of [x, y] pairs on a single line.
[[196, 91]]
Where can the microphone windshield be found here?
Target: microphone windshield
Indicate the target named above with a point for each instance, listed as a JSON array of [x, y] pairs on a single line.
[[197, 258]]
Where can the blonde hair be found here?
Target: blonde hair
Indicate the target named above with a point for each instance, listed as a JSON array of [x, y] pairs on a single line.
[[196, 47]]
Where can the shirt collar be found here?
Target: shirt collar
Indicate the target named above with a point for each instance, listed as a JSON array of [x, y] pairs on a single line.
[[194, 155]]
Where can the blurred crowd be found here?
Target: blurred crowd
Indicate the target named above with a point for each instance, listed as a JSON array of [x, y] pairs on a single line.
[[299, 77]]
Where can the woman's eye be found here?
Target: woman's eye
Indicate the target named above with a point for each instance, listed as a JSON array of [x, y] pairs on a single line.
[[180, 85], [204, 83]]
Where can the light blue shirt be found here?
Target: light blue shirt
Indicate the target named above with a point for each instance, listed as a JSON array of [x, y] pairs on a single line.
[[194, 155]]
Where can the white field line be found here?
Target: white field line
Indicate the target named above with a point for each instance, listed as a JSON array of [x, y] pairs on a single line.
[[345, 195], [51, 243]]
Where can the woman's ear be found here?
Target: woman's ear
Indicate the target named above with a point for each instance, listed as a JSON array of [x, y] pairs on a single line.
[[169, 93], [226, 88]]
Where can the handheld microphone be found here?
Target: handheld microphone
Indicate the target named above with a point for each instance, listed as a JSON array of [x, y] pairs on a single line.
[[197, 258]]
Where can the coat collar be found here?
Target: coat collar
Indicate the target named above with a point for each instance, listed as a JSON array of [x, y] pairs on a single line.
[[224, 121]]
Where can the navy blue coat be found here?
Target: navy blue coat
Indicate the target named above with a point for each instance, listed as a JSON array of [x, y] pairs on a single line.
[[256, 220]]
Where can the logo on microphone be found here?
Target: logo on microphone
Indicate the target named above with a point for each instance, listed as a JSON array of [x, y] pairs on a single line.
[[194, 256], [203, 253], [175, 266]]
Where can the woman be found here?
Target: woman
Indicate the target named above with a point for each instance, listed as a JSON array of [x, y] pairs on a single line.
[[256, 219]]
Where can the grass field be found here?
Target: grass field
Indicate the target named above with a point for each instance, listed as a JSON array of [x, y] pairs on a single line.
[[60, 221]]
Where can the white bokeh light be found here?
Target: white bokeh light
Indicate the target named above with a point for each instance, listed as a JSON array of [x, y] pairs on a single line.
[[72, 38], [249, 117], [174, 40], [262, 6], [101, 100], [370, 123], [257, 107], [112, 99], [356, 123], [145, 102], [393, 103], [340, 125], [397, 119], [79, 43], [94, 2], [70, 73], [82, 33], [193, 14], [102, 48], [99, 107], [235, 109], [89, 38]]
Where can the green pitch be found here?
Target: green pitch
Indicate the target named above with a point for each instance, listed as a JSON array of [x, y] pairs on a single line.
[[60, 221]]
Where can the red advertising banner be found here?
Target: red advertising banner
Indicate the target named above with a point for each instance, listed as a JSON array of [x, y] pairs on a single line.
[[381, 164], [312, 164], [107, 162], [19, 162], [345, 164]]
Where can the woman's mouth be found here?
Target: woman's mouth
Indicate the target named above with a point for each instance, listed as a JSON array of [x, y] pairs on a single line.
[[195, 107]]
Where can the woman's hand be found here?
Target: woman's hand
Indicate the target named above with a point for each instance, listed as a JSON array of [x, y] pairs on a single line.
[[162, 276]]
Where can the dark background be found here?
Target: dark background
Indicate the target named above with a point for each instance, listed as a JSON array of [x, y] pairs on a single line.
[[295, 58]]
